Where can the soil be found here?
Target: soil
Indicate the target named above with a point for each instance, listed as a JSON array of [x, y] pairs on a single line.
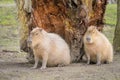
[[14, 66]]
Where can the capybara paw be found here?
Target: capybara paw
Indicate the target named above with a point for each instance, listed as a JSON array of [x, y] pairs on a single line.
[[42, 68], [98, 64], [88, 63], [108, 62]]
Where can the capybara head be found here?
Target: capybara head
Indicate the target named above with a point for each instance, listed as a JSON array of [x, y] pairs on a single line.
[[90, 34], [37, 33]]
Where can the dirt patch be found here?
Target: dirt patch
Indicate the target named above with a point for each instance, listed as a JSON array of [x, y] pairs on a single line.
[[14, 66]]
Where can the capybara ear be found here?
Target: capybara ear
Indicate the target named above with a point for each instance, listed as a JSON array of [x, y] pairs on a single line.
[[92, 27], [38, 28]]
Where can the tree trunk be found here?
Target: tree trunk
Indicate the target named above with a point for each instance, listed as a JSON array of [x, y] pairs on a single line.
[[24, 16], [68, 18], [116, 41]]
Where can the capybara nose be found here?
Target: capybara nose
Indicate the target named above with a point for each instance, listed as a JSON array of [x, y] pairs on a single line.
[[88, 38]]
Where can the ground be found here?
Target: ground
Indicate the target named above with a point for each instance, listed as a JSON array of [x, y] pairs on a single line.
[[14, 66]]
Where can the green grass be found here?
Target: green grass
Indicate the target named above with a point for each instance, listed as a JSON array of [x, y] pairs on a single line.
[[9, 38], [8, 16], [111, 14], [6, 1], [8, 26], [110, 20], [109, 32]]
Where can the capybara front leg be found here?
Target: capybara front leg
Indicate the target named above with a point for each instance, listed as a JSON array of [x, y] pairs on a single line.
[[88, 58], [44, 61], [36, 62], [98, 59]]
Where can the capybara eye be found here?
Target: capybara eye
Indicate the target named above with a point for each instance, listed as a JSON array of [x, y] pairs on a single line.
[[36, 33], [31, 33], [89, 31]]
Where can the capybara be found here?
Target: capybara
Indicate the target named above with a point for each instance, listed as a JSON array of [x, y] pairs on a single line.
[[97, 47], [50, 48]]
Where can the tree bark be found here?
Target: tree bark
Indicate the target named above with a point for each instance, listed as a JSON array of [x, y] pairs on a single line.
[[24, 18], [68, 18], [116, 41]]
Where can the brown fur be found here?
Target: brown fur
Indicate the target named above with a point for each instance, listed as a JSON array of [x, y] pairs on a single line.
[[97, 47], [50, 48]]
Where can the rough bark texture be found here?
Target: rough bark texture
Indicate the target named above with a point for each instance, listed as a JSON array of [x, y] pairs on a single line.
[[116, 41], [68, 18], [24, 17]]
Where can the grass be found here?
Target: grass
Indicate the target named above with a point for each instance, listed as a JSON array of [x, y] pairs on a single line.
[[6, 1], [8, 16], [9, 38], [111, 14], [110, 20], [8, 26], [109, 32]]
